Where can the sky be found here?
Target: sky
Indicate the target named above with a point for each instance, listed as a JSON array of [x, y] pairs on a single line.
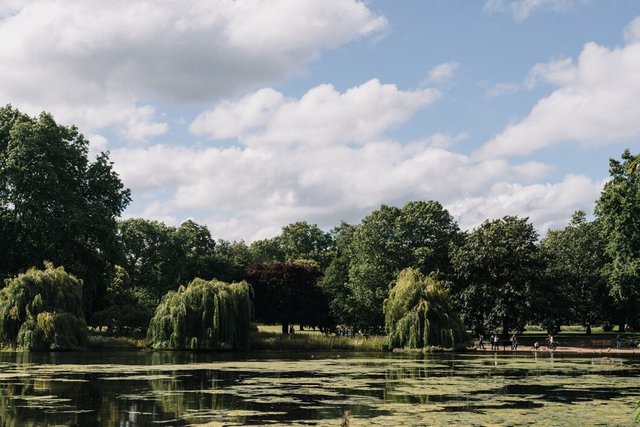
[[248, 115]]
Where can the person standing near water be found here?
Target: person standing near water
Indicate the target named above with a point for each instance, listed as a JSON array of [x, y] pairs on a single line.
[[481, 341]]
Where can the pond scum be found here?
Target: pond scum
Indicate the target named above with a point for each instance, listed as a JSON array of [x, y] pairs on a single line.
[[433, 390]]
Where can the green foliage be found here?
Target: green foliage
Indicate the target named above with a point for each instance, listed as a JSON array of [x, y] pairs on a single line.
[[42, 310], [204, 315], [301, 240], [54, 203], [390, 239], [126, 308], [498, 275], [419, 313], [618, 209], [153, 256], [335, 281], [575, 290]]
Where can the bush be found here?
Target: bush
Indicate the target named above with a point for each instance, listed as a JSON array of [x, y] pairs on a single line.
[[42, 310], [205, 315], [419, 314]]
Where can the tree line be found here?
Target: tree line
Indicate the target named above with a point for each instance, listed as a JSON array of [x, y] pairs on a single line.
[[59, 206]]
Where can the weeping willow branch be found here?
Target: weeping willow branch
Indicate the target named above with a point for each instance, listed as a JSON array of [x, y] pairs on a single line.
[[42, 310], [418, 314], [204, 315]]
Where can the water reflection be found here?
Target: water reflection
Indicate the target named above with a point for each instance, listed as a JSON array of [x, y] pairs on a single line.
[[179, 389]]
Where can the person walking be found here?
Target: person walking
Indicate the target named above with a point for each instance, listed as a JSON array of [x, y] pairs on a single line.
[[481, 341]]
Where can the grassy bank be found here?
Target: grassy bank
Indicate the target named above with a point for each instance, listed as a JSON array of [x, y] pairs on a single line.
[[300, 341], [105, 342]]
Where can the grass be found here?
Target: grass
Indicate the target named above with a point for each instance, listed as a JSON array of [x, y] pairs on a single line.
[[103, 342], [314, 341]]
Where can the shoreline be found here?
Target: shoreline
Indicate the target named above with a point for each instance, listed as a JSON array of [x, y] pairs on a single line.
[[563, 349]]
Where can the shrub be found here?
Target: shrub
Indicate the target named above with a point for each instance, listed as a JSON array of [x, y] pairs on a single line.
[[42, 310], [419, 314], [204, 315]]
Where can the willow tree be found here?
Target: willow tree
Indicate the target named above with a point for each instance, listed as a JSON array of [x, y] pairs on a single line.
[[204, 315], [42, 310], [419, 313]]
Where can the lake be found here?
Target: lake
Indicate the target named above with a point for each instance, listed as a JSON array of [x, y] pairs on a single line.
[[186, 389]]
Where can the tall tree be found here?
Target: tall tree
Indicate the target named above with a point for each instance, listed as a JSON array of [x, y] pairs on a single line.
[[55, 204], [497, 274], [390, 239], [618, 208], [153, 257], [574, 258], [286, 293], [335, 281], [302, 240], [197, 248]]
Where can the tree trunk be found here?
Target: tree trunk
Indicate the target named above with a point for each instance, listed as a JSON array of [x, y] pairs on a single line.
[[285, 328], [588, 329], [621, 326]]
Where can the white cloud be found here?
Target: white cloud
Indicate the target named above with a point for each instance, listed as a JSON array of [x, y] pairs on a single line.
[[323, 158], [632, 32], [595, 103], [522, 9], [548, 206], [106, 64], [323, 116], [250, 192], [442, 73]]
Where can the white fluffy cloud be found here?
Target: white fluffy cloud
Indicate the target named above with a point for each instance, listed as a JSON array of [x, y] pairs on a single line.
[[595, 102], [104, 64], [522, 9], [547, 205], [250, 192], [323, 116], [314, 158]]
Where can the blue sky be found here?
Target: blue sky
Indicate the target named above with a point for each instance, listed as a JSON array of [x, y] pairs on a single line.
[[248, 115]]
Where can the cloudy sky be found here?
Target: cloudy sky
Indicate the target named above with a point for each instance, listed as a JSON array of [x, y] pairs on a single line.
[[247, 115]]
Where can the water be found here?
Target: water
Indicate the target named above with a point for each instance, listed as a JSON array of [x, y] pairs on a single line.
[[184, 389]]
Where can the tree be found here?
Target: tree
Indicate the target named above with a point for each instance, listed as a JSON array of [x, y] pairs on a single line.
[[286, 293], [390, 239], [126, 308], [42, 310], [618, 209], [335, 281], [152, 255], [419, 313], [266, 250], [575, 257], [497, 275], [204, 315], [54, 203], [230, 260], [197, 249], [301, 240]]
